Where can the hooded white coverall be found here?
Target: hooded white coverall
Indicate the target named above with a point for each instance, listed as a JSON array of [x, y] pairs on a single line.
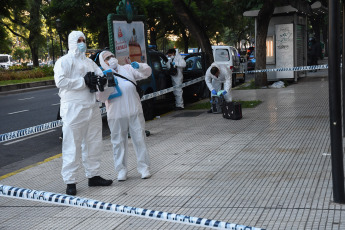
[[215, 83], [125, 113], [81, 117], [177, 79]]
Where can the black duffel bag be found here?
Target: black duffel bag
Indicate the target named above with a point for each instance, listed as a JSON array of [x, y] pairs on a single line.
[[232, 110]]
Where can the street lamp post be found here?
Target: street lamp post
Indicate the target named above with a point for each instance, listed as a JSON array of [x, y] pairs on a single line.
[[52, 38], [58, 27]]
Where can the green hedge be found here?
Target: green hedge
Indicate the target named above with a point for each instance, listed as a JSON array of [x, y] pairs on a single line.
[[20, 74]]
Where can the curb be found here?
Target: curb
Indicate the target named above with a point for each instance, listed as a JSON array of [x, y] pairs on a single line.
[[6, 89]]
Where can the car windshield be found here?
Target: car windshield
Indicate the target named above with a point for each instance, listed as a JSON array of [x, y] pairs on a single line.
[[222, 55], [3, 58]]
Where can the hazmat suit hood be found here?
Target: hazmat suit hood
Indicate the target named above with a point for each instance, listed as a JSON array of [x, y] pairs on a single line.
[[72, 44], [101, 60]]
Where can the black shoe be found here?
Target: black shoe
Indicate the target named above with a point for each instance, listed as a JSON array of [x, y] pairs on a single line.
[[99, 181], [209, 111], [148, 133], [179, 108], [71, 189]]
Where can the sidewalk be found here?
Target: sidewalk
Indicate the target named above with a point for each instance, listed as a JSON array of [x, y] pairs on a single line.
[[271, 169]]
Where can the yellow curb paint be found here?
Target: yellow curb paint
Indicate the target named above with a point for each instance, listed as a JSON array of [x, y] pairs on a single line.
[[30, 166]]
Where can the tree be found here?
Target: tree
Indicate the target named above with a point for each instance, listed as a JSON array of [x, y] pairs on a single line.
[[91, 19], [201, 18], [23, 19], [263, 20], [5, 42]]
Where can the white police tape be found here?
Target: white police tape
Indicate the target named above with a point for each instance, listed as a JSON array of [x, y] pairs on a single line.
[[168, 90], [55, 124], [30, 131], [61, 199], [297, 68]]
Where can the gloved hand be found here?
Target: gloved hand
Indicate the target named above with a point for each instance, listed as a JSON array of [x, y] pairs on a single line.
[[135, 65], [173, 63], [214, 92], [91, 81], [224, 92]]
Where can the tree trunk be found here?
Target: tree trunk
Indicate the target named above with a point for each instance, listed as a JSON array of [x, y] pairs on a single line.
[[35, 30], [188, 19], [185, 41], [153, 36], [263, 21]]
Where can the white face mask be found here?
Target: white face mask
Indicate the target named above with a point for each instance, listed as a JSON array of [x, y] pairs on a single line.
[[82, 46], [113, 63]]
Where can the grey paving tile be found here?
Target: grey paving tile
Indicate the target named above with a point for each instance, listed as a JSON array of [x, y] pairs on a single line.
[[272, 169]]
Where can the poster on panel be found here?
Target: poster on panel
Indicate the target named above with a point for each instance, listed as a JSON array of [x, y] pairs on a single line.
[[129, 39]]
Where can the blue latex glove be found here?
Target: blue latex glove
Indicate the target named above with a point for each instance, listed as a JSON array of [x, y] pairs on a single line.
[[135, 65], [224, 92], [173, 63], [214, 92]]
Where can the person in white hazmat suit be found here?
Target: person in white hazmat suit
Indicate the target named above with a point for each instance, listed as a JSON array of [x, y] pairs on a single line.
[[80, 113], [175, 59], [216, 76], [125, 113]]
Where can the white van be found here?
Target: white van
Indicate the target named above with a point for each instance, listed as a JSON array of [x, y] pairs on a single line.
[[5, 61], [229, 56]]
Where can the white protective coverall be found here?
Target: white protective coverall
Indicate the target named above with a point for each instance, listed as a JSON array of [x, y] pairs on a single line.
[[215, 83], [177, 79], [80, 113], [125, 113]]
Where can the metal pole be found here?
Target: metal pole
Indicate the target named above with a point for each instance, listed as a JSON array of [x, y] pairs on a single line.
[[60, 45], [343, 68], [335, 103]]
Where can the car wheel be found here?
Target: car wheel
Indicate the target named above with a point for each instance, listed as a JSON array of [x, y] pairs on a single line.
[[243, 79], [148, 109]]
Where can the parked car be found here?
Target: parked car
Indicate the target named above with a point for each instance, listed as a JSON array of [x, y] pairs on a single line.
[[195, 67], [229, 56], [160, 79], [6, 61]]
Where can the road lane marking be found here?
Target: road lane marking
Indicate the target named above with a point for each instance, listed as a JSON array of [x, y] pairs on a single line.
[[22, 111], [25, 138], [28, 98]]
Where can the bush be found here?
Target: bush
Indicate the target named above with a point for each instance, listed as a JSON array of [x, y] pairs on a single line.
[[19, 74]]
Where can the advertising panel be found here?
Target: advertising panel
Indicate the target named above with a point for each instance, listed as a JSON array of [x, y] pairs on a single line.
[[284, 49], [129, 42]]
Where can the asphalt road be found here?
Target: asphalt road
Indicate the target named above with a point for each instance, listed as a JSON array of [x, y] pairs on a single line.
[[24, 110]]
